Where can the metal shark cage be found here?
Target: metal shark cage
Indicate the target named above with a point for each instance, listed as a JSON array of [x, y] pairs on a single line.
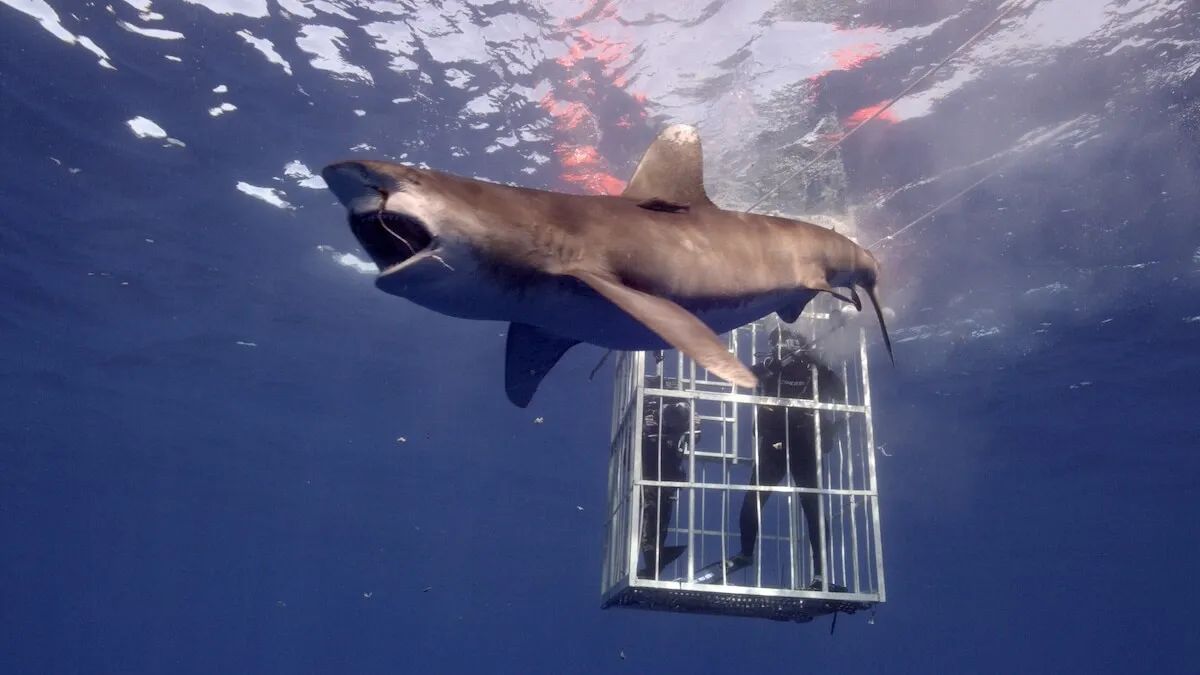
[[713, 476]]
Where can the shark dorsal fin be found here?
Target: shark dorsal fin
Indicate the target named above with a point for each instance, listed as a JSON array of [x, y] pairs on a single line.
[[671, 170]]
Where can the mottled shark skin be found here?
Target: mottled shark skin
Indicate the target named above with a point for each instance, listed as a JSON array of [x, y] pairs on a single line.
[[658, 267]]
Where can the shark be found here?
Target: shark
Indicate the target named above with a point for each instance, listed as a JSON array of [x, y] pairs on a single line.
[[659, 266]]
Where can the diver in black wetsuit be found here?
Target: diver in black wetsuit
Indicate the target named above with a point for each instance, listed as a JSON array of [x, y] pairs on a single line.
[[786, 439], [669, 465]]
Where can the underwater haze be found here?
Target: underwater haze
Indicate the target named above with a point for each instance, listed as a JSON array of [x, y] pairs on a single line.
[[222, 450]]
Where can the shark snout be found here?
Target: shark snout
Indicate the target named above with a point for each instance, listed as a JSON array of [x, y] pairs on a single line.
[[352, 184]]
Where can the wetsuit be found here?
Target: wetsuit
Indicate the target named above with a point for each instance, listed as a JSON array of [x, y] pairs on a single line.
[[790, 377], [667, 466]]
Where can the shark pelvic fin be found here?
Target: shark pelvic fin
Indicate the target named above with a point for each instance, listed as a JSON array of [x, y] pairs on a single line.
[[857, 300], [792, 311], [817, 283], [671, 170], [674, 324], [824, 288], [530, 354]]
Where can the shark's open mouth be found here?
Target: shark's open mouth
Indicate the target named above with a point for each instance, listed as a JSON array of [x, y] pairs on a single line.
[[389, 238]]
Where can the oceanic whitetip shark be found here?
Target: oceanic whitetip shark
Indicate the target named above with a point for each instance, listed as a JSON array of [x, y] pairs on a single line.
[[657, 267]]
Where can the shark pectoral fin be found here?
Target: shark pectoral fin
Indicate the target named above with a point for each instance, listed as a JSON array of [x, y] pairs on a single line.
[[675, 325], [530, 354]]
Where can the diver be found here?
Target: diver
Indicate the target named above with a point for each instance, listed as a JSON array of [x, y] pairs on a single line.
[[664, 419], [786, 444]]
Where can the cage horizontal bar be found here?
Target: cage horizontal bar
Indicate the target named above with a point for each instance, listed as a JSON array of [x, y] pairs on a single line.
[[754, 399], [743, 487]]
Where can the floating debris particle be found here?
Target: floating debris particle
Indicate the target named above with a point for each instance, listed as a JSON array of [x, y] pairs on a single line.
[[539, 420], [401, 440]]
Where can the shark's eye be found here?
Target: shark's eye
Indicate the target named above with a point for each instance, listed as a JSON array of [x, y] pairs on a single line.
[[383, 194]]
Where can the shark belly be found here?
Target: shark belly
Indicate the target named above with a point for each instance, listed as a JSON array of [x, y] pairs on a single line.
[[458, 286], [601, 323]]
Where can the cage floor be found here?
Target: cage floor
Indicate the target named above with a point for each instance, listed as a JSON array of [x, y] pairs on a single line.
[[800, 610]]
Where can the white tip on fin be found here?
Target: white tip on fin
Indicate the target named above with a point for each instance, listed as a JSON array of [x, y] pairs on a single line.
[[671, 170]]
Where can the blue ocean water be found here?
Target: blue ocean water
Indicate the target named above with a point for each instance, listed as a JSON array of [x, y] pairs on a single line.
[[200, 464]]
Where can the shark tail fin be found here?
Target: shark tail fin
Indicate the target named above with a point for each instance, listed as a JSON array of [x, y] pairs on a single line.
[[882, 324]]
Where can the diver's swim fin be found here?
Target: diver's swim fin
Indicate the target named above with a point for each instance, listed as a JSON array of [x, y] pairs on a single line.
[[833, 588], [666, 556], [711, 574]]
